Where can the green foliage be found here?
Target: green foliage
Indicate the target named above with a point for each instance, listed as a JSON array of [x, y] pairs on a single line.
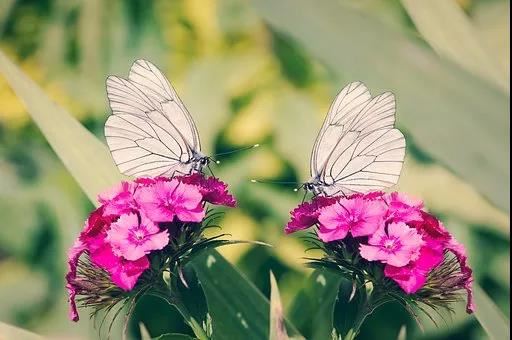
[[232, 61]]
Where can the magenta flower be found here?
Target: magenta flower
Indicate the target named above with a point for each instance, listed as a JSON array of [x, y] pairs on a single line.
[[358, 216], [306, 214], [132, 239], [399, 246], [403, 208], [119, 199], [168, 199], [212, 189]]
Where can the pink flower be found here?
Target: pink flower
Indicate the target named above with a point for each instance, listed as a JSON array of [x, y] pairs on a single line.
[[168, 199], [403, 208], [124, 273], [399, 246], [306, 214], [212, 189], [132, 239], [358, 216], [119, 199]]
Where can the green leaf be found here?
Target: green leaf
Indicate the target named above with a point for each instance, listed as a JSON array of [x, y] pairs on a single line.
[[451, 34], [81, 152], [277, 330], [312, 309], [402, 334], [459, 119], [236, 306], [11, 332], [490, 317], [174, 336]]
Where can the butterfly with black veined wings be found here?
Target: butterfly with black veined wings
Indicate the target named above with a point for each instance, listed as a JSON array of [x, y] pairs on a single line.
[[150, 131], [357, 149]]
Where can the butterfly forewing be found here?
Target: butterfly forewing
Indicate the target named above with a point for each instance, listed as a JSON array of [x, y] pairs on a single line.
[[358, 149], [347, 104], [150, 132]]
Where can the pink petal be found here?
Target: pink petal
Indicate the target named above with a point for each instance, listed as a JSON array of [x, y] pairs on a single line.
[[328, 234], [370, 253], [126, 274], [409, 279]]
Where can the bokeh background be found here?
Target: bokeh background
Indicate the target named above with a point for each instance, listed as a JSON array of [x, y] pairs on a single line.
[[259, 72]]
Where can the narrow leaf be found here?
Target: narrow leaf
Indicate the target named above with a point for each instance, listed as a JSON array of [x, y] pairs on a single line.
[[490, 317], [11, 332], [277, 328], [144, 334], [402, 334], [459, 119], [81, 152], [312, 309], [237, 307], [450, 32], [174, 336]]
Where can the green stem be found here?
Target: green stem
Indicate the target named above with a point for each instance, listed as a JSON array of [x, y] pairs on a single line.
[[173, 298], [196, 327], [183, 310], [358, 322]]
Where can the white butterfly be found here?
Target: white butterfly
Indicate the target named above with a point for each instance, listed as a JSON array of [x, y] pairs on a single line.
[[150, 132], [357, 149]]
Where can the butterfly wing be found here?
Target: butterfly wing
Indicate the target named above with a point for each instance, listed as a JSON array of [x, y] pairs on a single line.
[[155, 85], [150, 132], [362, 150], [347, 104]]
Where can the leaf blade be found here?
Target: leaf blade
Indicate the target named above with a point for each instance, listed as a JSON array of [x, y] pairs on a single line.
[[451, 34], [78, 149], [418, 78]]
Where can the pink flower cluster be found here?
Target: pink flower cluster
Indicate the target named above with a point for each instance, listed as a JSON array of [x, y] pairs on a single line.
[[392, 229], [127, 227]]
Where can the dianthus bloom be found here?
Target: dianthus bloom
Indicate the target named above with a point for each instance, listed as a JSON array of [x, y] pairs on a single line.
[[393, 235], [135, 222]]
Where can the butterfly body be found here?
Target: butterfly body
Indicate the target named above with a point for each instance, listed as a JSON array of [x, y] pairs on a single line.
[[357, 149]]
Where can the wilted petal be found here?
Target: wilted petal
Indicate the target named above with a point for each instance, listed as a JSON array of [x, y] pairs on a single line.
[[460, 252], [73, 255]]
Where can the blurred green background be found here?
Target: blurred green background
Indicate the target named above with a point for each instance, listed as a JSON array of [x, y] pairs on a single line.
[[260, 72]]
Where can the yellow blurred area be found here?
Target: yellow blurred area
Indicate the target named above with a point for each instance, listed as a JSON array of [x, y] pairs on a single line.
[[252, 124], [239, 226]]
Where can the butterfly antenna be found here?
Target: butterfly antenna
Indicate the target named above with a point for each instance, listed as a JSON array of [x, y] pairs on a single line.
[[238, 150], [273, 182], [210, 169], [305, 194]]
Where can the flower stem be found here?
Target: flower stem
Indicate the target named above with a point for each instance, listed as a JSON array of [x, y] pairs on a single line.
[[183, 310], [196, 327], [358, 322]]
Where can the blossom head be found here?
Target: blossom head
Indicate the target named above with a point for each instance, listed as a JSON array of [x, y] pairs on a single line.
[[150, 218], [390, 240]]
